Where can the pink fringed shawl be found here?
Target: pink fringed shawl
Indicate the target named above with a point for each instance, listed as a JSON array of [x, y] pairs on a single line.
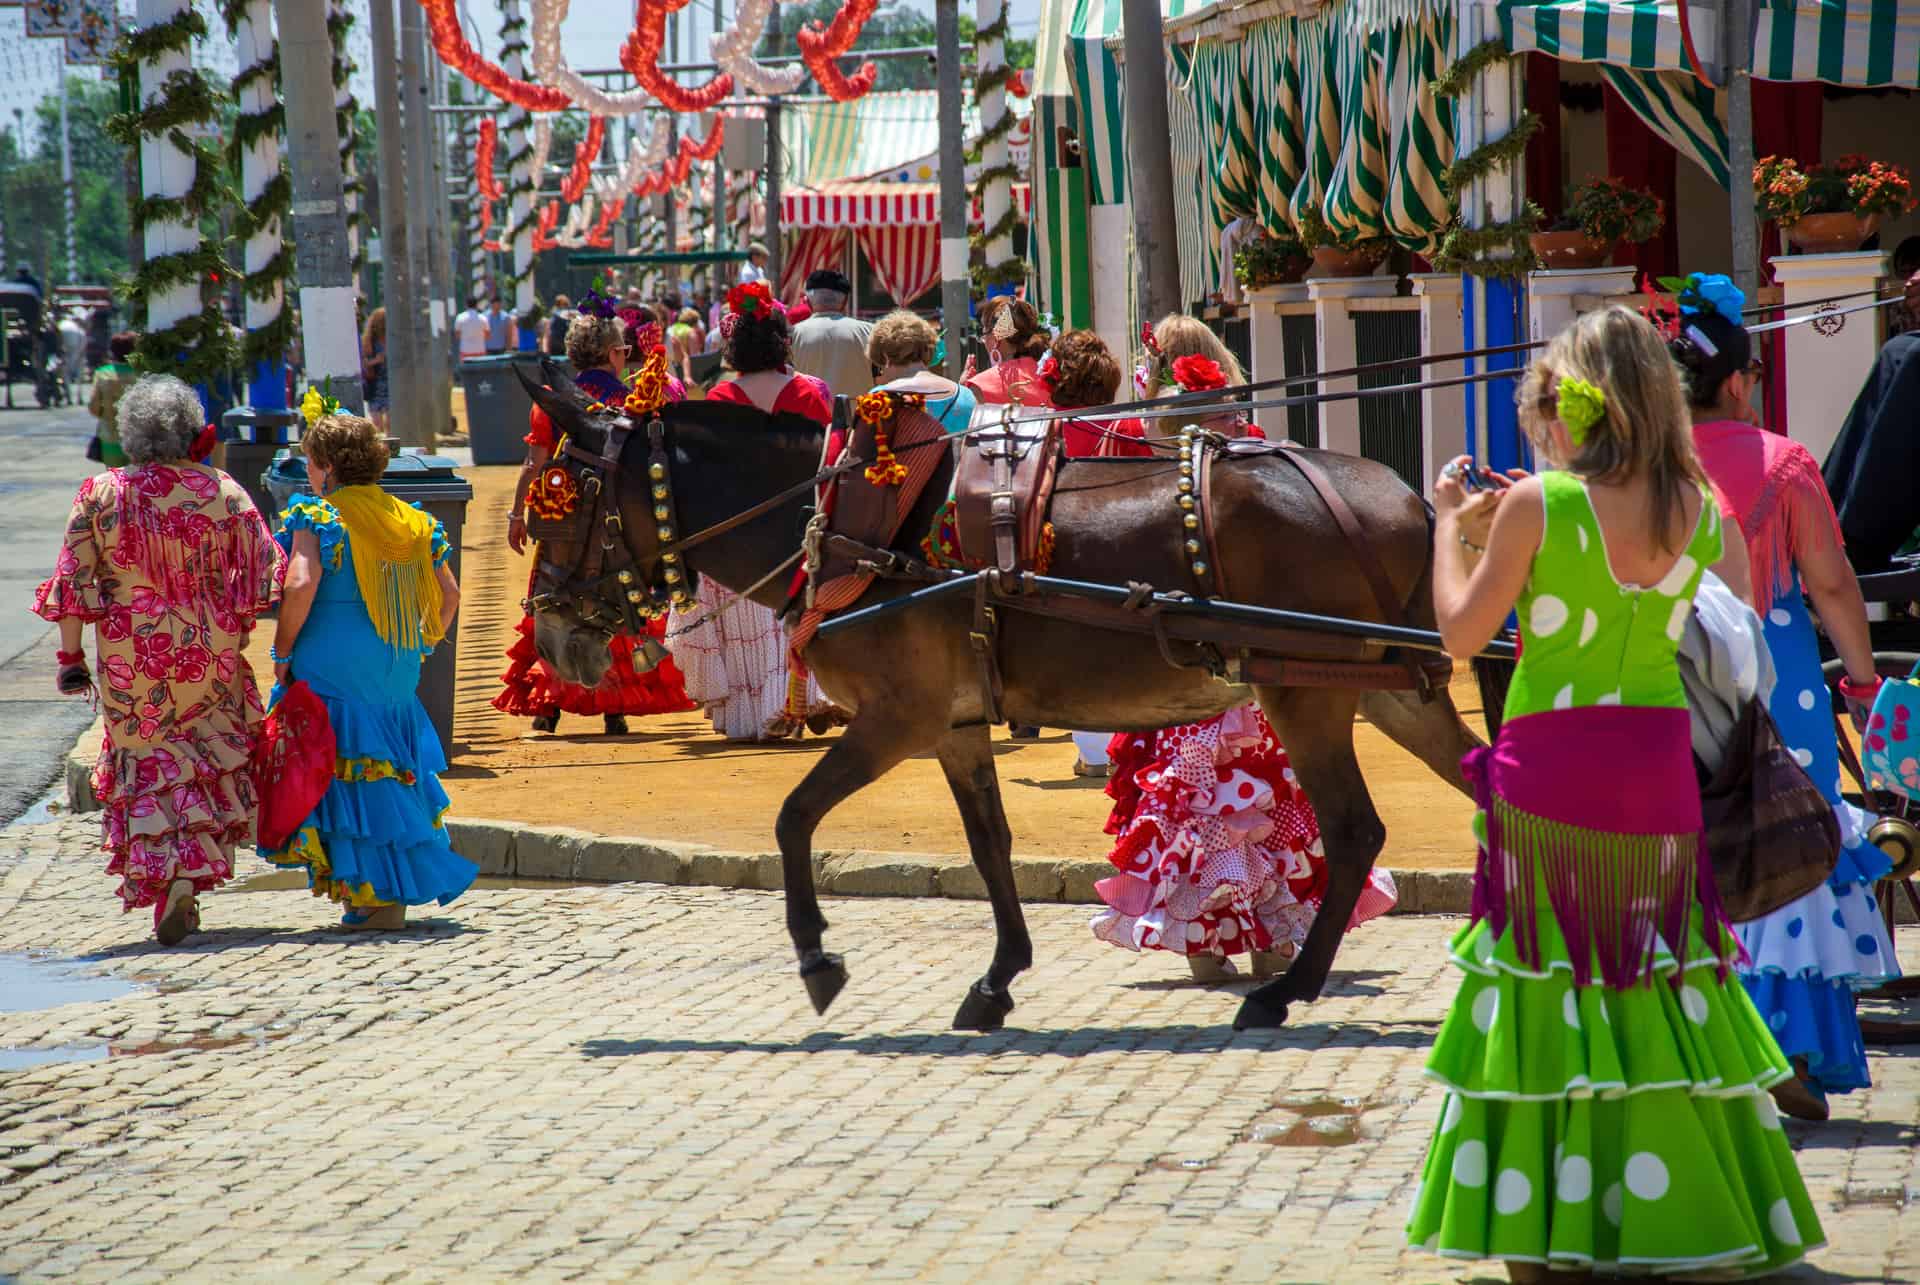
[[1769, 484], [1598, 806]]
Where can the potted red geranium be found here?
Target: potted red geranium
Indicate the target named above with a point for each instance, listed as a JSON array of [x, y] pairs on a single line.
[[1830, 210], [1333, 257], [1601, 213]]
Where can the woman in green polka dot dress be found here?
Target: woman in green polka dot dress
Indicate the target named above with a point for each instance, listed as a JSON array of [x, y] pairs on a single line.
[[1607, 1106]]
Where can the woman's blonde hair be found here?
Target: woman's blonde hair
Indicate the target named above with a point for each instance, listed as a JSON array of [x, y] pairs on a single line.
[[591, 340], [902, 338], [1179, 335], [1644, 429], [350, 446], [375, 331]]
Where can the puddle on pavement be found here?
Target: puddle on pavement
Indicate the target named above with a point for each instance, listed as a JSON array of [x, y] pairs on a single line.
[[1182, 1166], [27, 1059], [1318, 1122], [50, 806], [1886, 1197], [199, 1044], [29, 983]]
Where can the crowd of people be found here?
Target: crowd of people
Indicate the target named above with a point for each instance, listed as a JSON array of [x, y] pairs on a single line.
[[1618, 1050]]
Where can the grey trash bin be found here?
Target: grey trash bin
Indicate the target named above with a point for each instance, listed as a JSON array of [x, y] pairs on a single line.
[[253, 437], [497, 405], [430, 482]]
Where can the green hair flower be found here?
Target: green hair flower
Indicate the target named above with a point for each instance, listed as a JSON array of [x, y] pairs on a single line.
[[1580, 406]]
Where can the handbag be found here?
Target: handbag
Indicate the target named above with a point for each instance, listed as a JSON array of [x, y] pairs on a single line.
[[1890, 745], [1770, 833], [292, 764], [95, 451]]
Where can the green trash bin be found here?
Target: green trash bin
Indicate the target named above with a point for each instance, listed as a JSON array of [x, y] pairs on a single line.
[[430, 482], [498, 406]]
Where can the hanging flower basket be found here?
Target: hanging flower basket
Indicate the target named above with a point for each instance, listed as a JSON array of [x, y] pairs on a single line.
[[1831, 233], [1575, 249]]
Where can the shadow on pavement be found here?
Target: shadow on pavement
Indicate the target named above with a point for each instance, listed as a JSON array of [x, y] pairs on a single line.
[[214, 940], [1070, 1042]]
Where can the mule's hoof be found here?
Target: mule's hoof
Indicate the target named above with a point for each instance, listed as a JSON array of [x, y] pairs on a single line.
[[984, 1009], [824, 975], [1262, 1009]]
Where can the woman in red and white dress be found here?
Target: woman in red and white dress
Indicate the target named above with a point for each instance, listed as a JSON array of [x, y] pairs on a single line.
[[736, 659], [1217, 851], [598, 346]]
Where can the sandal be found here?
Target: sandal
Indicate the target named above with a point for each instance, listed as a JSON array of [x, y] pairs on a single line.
[[1211, 970], [177, 917], [546, 722], [1271, 963], [1098, 771], [615, 724]]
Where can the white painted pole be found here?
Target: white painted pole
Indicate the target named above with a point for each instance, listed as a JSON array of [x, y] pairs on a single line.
[[166, 171], [259, 166]]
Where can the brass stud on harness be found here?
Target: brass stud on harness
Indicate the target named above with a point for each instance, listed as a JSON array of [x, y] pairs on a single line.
[[660, 491], [657, 472], [1185, 484], [634, 595], [669, 557], [1191, 522], [1200, 570], [626, 577], [1186, 503], [680, 598], [1193, 548], [673, 577], [662, 513], [665, 533]]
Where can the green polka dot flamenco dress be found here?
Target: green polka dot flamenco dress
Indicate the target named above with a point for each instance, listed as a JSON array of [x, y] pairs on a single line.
[[1606, 1079]]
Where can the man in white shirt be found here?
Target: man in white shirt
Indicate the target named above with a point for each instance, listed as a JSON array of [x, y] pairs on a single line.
[[755, 268], [830, 345], [472, 328]]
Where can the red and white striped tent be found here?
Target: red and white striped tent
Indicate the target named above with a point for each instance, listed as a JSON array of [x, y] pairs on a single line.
[[898, 226]]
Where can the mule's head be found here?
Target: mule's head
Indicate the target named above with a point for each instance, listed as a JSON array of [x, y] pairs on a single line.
[[579, 601]]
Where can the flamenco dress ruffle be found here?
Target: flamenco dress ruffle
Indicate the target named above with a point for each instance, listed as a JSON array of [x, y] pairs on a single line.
[[531, 689], [377, 835], [1218, 850], [1809, 959]]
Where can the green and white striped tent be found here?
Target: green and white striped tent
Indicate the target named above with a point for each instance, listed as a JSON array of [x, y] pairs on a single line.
[[1867, 44]]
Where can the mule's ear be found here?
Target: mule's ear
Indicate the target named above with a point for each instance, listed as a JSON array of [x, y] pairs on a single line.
[[560, 407]]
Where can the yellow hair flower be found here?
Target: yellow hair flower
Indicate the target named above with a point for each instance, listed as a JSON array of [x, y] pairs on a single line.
[[316, 404], [1580, 406]]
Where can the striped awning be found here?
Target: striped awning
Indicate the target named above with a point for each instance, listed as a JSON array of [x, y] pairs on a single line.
[[1865, 44], [892, 134], [874, 204]]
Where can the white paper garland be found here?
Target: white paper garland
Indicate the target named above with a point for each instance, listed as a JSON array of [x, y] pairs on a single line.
[[542, 142], [573, 235], [732, 50], [640, 161]]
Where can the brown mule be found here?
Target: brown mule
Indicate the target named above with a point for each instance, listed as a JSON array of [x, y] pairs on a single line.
[[911, 680]]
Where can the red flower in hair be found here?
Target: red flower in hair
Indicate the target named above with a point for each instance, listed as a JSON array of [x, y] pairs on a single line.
[[1147, 340], [753, 299], [1195, 373], [1048, 375]]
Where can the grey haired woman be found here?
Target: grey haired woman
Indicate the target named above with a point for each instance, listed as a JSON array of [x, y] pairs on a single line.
[[170, 563]]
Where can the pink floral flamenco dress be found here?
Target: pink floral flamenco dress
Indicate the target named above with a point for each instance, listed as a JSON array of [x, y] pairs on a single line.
[[1218, 850], [171, 564]]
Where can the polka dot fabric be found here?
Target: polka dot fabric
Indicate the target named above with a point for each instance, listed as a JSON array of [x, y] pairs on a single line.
[[1218, 851], [1807, 959]]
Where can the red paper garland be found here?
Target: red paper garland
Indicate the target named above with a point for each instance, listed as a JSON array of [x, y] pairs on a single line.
[[601, 237], [543, 233], [820, 46], [443, 22], [584, 155], [640, 55], [483, 154]]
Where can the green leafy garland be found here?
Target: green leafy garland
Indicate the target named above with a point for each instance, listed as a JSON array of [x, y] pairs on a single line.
[[346, 117], [520, 182], [271, 208], [987, 79], [199, 347], [1501, 251]]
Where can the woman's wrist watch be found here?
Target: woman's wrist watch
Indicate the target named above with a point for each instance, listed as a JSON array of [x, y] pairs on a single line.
[[516, 516]]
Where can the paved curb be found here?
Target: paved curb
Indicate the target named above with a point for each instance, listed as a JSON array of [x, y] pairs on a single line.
[[511, 850]]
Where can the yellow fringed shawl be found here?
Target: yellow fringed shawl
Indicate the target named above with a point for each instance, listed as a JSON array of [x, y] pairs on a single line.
[[393, 563]]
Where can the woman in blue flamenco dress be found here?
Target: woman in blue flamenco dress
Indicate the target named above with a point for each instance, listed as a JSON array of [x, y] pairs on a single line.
[[1807, 960], [368, 593]]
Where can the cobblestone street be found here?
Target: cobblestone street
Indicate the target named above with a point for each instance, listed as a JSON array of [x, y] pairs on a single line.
[[626, 1082]]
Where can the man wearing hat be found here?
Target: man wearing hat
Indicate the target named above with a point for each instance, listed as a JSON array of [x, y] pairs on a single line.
[[755, 268], [829, 344]]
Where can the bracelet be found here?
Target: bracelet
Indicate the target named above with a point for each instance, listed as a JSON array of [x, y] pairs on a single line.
[[1859, 691], [1470, 545], [70, 657], [516, 516], [273, 654]]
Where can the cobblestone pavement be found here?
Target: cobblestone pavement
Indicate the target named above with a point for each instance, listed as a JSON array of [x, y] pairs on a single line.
[[626, 1082]]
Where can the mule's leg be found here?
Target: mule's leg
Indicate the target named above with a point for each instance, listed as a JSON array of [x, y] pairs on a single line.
[[966, 756], [1432, 731], [1316, 726], [871, 745]]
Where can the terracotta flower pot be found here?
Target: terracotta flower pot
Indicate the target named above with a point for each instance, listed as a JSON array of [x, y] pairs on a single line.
[[1346, 261], [1289, 271], [1575, 249], [1831, 233]]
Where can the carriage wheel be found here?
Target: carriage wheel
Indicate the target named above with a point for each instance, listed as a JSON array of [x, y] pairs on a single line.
[[1898, 835]]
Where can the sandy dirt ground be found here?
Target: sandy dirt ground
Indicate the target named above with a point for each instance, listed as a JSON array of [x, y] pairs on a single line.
[[674, 778]]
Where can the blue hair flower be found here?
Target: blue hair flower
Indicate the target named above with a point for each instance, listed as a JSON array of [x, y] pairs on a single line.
[[1704, 294]]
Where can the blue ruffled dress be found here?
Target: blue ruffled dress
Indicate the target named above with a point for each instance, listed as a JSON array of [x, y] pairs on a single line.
[[377, 834], [1810, 957]]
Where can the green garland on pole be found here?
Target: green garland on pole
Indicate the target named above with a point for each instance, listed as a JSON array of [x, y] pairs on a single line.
[[1483, 160], [987, 79], [346, 118], [1470, 64], [1498, 251], [198, 347], [272, 206]]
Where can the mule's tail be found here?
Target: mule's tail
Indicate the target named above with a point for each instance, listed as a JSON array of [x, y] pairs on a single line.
[[1494, 676]]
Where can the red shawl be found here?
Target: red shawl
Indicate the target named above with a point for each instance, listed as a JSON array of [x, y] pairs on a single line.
[[1769, 484]]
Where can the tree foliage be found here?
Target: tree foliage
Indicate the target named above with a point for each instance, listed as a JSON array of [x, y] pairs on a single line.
[[31, 196]]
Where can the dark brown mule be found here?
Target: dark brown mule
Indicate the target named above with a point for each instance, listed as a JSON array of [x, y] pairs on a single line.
[[912, 681]]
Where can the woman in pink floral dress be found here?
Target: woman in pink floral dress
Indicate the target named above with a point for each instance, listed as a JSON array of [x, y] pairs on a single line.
[[171, 563]]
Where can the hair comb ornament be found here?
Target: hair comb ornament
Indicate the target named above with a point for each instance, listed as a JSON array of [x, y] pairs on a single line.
[[1580, 405], [1698, 339], [1003, 325]]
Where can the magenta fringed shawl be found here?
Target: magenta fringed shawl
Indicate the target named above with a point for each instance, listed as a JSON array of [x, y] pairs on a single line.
[[1599, 806], [1769, 484]]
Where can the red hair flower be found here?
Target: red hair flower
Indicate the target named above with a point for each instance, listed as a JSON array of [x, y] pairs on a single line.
[[1048, 374], [1147, 340], [1195, 373], [750, 300]]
